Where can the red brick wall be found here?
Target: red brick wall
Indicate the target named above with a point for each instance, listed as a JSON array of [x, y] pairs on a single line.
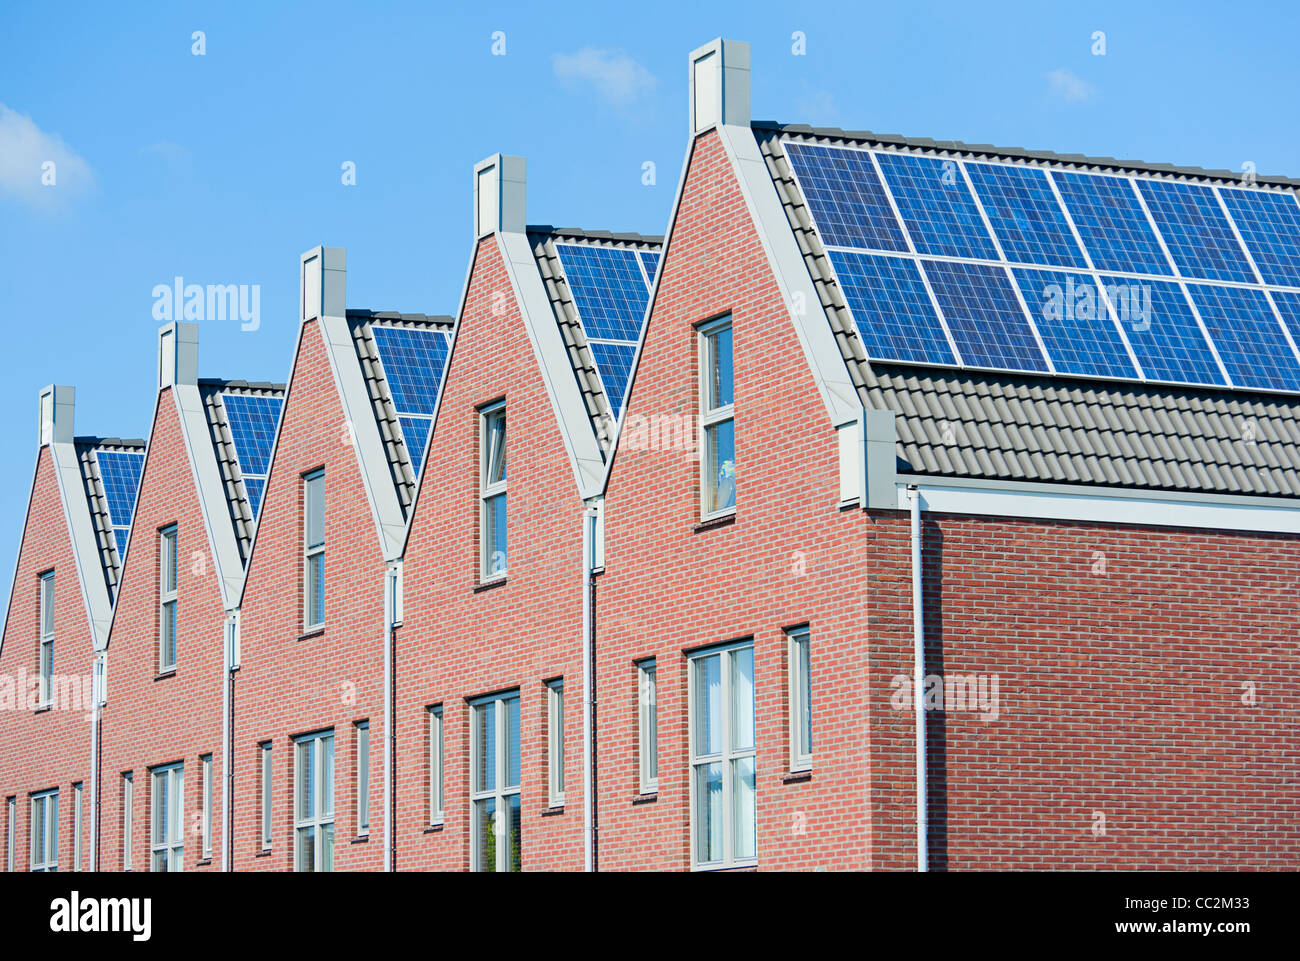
[[791, 557], [40, 750], [293, 683], [459, 641], [152, 718]]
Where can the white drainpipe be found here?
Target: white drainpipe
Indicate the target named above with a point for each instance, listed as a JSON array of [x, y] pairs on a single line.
[[918, 678], [588, 694], [97, 674], [390, 620], [230, 663]]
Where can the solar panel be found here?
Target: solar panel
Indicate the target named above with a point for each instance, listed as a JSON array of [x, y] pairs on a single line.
[[845, 197], [253, 420], [1112, 223], [984, 316], [121, 535], [614, 362], [256, 486], [415, 434], [1270, 225], [1076, 327], [650, 261], [1198, 235], [608, 289], [413, 360], [120, 473], [1161, 327], [937, 207], [1248, 336], [1025, 215], [895, 316]]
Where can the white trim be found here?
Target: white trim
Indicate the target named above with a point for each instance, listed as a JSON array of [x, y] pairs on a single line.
[[206, 768], [167, 839], [44, 852], [266, 792], [555, 742], [437, 782], [647, 700], [714, 417], [494, 495], [501, 791], [321, 820], [168, 615], [799, 700]]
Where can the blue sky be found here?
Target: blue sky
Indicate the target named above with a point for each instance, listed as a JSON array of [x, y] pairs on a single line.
[[223, 168]]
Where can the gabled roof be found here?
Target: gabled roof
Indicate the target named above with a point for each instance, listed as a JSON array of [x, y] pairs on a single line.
[[600, 354], [110, 474], [1024, 427]]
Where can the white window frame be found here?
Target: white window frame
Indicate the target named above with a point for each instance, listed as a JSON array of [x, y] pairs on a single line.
[[555, 742], [647, 683], [205, 826], [500, 793], [77, 825], [11, 822], [167, 823], [45, 848], [714, 416], [727, 756], [313, 552], [493, 493], [321, 821], [167, 613], [436, 797], [361, 730], [799, 680], [265, 759], [128, 811], [45, 653]]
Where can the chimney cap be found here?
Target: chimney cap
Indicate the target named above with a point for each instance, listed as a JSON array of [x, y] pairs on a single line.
[[719, 84], [56, 408], [178, 354], [322, 283], [500, 193]]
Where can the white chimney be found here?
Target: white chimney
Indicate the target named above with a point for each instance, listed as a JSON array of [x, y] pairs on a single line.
[[178, 354], [56, 407], [323, 287], [719, 85], [499, 183]]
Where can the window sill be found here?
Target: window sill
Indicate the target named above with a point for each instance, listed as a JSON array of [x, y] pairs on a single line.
[[361, 839], [312, 632], [553, 810], [748, 868], [719, 520], [163, 675], [206, 862], [798, 777], [649, 797], [42, 708], [434, 828], [264, 853], [488, 585]]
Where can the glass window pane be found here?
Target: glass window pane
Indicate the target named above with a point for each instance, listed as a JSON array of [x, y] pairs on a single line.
[[742, 698], [803, 652], [708, 704], [708, 819], [512, 732], [721, 371], [721, 472], [327, 775], [515, 862], [306, 852], [316, 589], [743, 807], [47, 604], [497, 546], [652, 721], [306, 778], [314, 496], [326, 836], [485, 848], [485, 728], [496, 448]]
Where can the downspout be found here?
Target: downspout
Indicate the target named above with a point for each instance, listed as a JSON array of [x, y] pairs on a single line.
[[918, 678], [589, 827], [390, 631], [96, 751], [227, 737]]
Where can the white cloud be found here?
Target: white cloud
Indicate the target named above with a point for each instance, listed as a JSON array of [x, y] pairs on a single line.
[[1067, 86], [614, 75], [26, 155]]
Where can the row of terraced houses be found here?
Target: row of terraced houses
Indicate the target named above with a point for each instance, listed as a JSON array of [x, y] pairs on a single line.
[[753, 592]]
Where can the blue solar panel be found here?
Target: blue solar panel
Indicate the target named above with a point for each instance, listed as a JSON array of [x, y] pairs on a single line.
[[253, 420], [650, 261], [120, 472], [1074, 323], [1249, 339], [937, 207], [1288, 305], [845, 197], [1112, 223], [1270, 224], [415, 432], [255, 486], [1161, 327], [895, 316], [121, 535], [607, 288], [985, 318], [614, 362], [413, 360], [1196, 232], [1025, 214]]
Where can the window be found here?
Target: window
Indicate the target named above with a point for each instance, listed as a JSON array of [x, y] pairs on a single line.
[[800, 700], [435, 764], [128, 804], [555, 741], [648, 725], [76, 826], [45, 831], [11, 828], [722, 756], [167, 600], [314, 548], [494, 788], [493, 444], [363, 778], [46, 666], [264, 761], [167, 818], [718, 488], [205, 825], [313, 848]]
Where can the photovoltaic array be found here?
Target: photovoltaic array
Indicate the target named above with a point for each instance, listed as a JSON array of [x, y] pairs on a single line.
[[610, 287], [413, 360], [119, 471], [1030, 268], [253, 421]]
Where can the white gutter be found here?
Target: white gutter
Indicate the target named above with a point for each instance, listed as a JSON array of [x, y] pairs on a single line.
[[588, 694], [918, 679]]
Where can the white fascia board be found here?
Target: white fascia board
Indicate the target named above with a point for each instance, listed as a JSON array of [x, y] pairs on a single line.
[[553, 360], [211, 492], [369, 446], [787, 263], [1104, 506], [85, 546], [13, 582]]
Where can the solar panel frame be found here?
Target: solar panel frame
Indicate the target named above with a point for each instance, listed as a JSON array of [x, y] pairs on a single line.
[[1275, 255], [832, 216], [413, 361], [1002, 320], [1090, 346], [874, 285], [1041, 224], [1170, 337], [1250, 338], [120, 473], [954, 228], [1197, 233], [614, 360], [1126, 246], [608, 289]]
